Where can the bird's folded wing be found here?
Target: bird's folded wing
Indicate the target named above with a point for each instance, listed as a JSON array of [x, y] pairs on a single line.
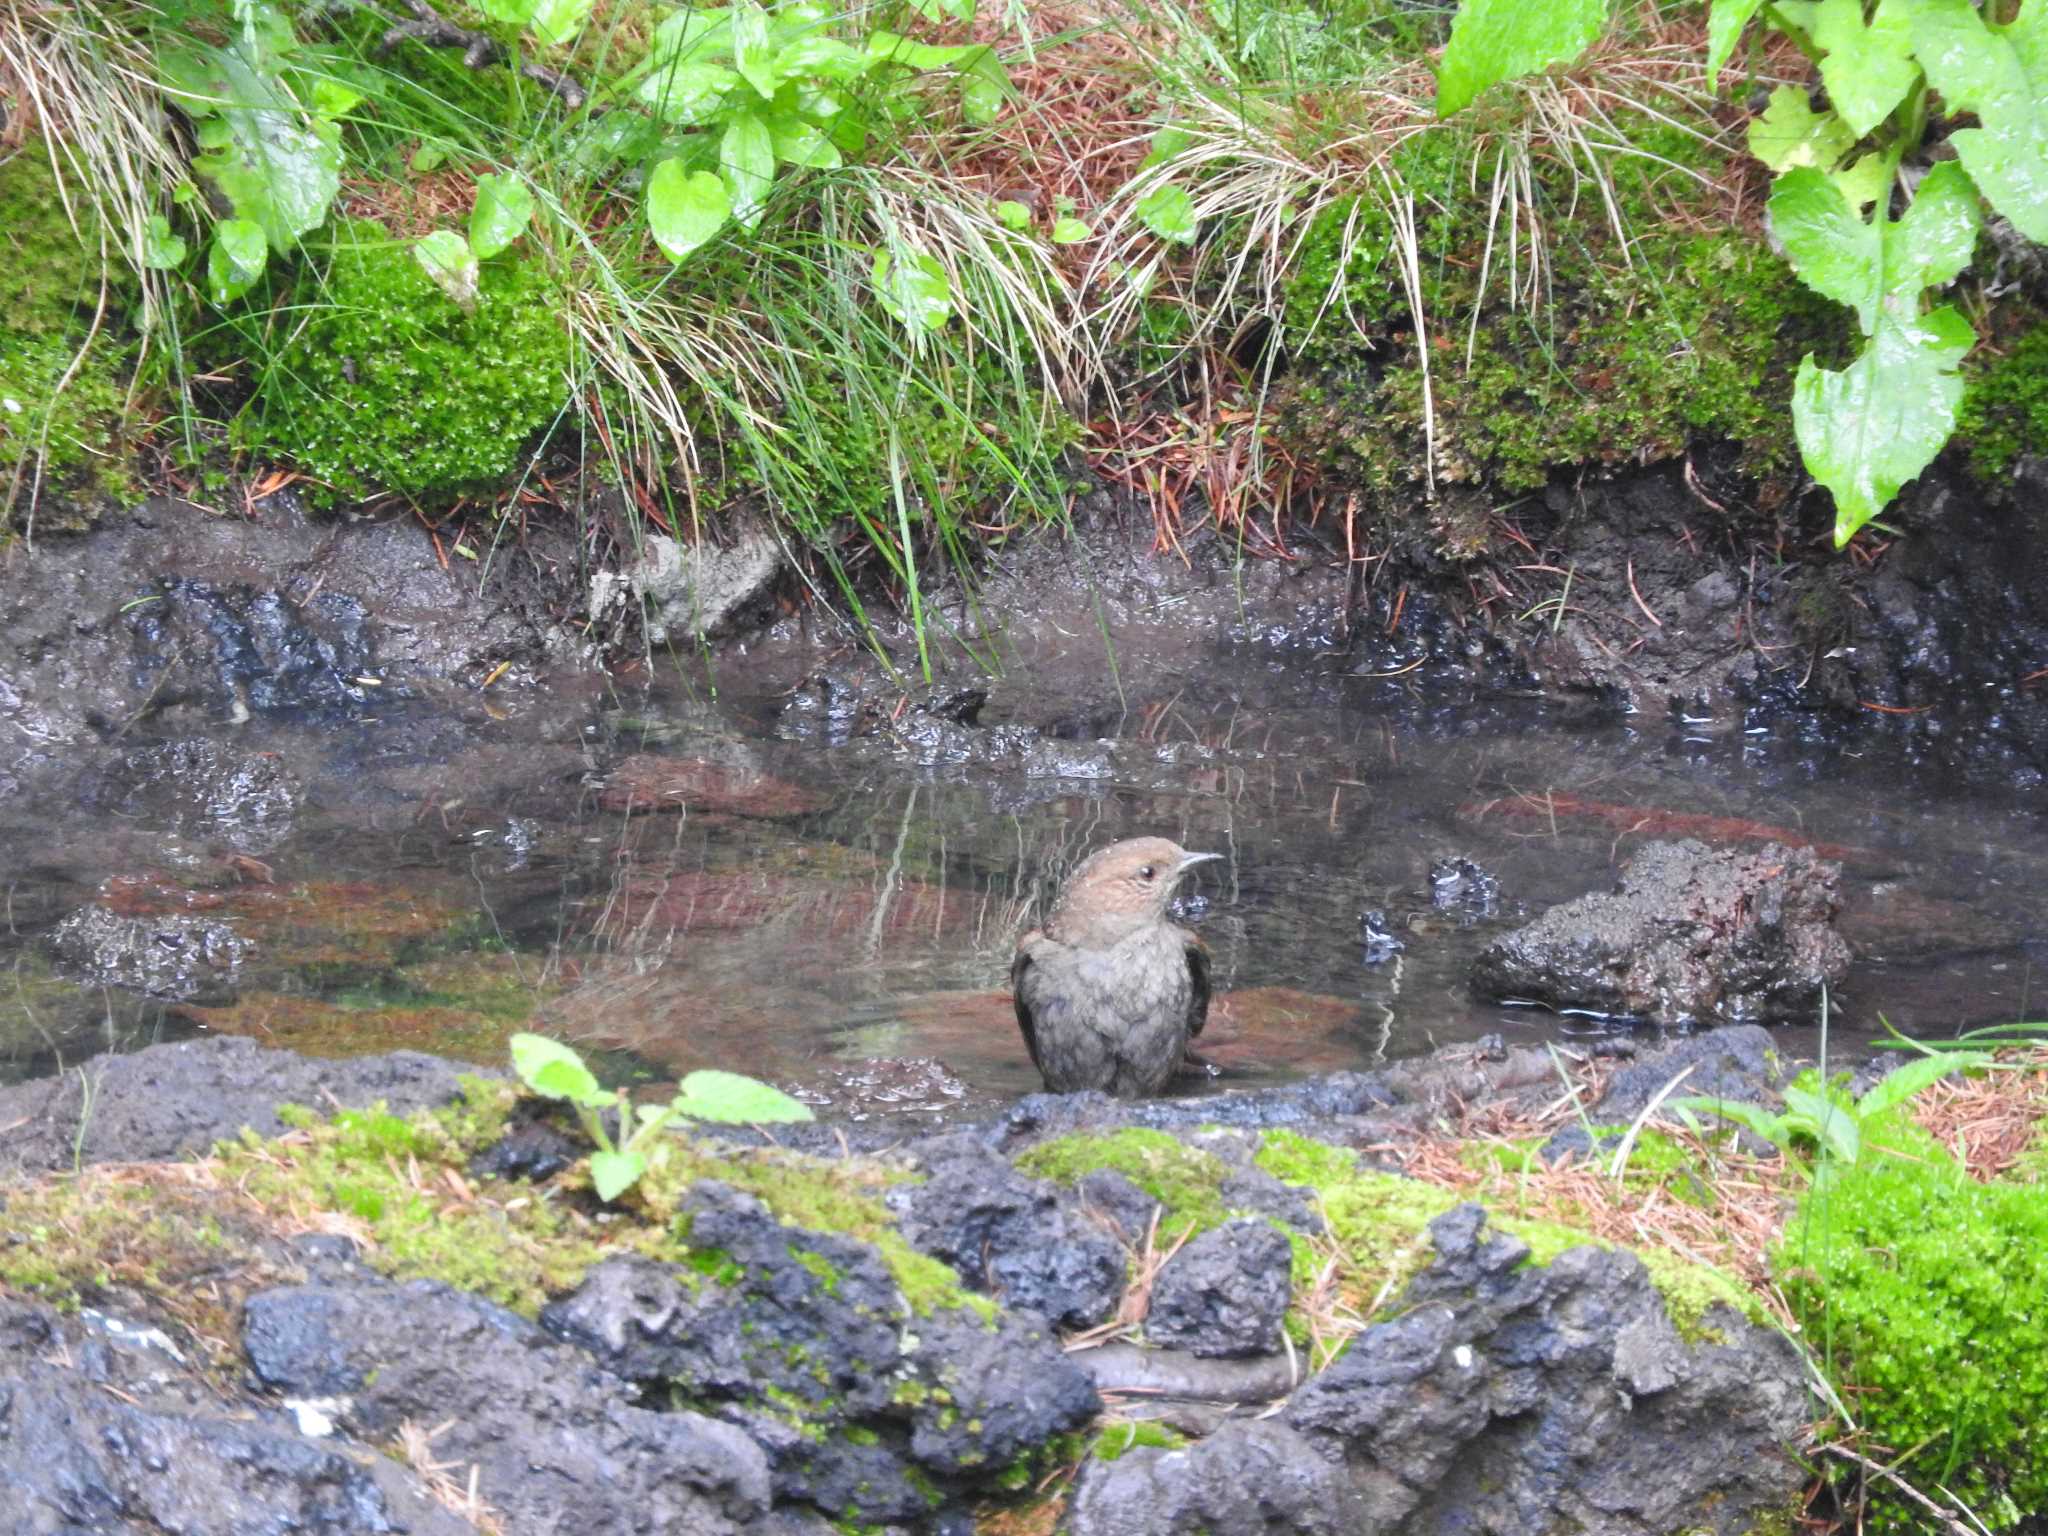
[[1020, 969], [1198, 973]]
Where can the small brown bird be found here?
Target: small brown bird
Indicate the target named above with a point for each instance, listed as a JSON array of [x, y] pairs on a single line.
[[1109, 993]]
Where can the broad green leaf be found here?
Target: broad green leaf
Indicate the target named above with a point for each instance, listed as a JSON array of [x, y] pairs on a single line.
[[1866, 180], [1837, 254], [450, 263], [613, 1173], [1866, 430], [1751, 1117], [746, 159], [2001, 74], [1169, 212], [1870, 428], [687, 94], [1898, 1086], [162, 246], [798, 143], [685, 209], [554, 1071], [333, 98], [1725, 21], [1790, 133], [731, 1099], [1495, 40], [1166, 143], [944, 10], [428, 157], [1867, 68], [982, 98], [513, 13], [1013, 215], [500, 215], [555, 22], [915, 291], [753, 55], [236, 259], [1069, 231], [1833, 1124], [824, 58], [269, 164], [602, 142], [689, 34], [897, 49]]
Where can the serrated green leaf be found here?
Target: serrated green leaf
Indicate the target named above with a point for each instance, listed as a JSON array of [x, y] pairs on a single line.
[[1866, 180], [1495, 40], [1790, 133], [1169, 212], [450, 263], [332, 98], [1725, 21], [162, 247], [685, 209], [236, 259], [729, 1098], [753, 54], [1751, 1117], [613, 1173], [553, 1070], [944, 10], [555, 22], [798, 143], [502, 210], [897, 49], [915, 291], [1867, 66], [1867, 430], [270, 165], [1837, 254], [1070, 231], [1895, 1087], [2001, 74], [687, 94], [1832, 1124], [746, 159], [1013, 215]]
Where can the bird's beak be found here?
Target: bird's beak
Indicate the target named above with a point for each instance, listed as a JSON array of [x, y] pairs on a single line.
[[1189, 860]]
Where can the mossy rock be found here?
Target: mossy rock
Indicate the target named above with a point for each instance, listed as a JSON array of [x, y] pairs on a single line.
[[53, 282], [387, 384], [2005, 406]]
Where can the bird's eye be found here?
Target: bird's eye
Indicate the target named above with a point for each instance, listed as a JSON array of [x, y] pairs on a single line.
[[1147, 872]]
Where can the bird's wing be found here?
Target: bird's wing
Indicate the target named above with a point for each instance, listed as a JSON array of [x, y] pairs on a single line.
[[1019, 970], [1198, 973]]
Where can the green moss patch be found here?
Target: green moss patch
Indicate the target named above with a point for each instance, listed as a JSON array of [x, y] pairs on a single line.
[[385, 383], [51, 284], [2005, 408]]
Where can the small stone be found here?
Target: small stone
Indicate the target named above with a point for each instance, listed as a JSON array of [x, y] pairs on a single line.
[[1225, 1293]]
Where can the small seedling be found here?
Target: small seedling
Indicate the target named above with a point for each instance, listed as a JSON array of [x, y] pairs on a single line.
[[554, 1071]]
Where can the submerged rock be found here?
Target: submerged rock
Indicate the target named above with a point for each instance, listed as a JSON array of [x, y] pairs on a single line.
[[1691, 935], [179, 956], [1507, 1397]]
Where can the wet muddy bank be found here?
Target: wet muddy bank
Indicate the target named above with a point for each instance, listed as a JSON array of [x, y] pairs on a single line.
[[764, 1342]]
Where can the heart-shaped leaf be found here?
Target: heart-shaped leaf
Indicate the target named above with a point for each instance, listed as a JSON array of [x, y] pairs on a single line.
[[915, 290], [450, 263], [685, 208], [1169, 212], [554, 1071], [162, 246], [236, 259], [746, 159], [613, 1173], [501, 213]]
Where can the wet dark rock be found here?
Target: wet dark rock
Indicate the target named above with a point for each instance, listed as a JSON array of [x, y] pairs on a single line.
[[554, 1440], [800, 1339], [175, 1100], [1692, 934], [734, 784], [1250, 1478], [199, 786], [1739, 1063], [694, 590], [1152, 1375], [1009, 1235], [178, 956], [1517, 1399], [1119, 1204], [1460, 886], [106, 1428], [1224, 1293], [533, 1150]]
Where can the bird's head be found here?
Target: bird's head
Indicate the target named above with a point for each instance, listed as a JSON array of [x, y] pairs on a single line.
[[1118, 889]]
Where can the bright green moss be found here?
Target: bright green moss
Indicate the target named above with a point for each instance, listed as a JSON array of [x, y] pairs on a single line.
[[1625, 355], [1181, 1178], [1114, 1441], [50, 290], [387, 384], [2005, 407], [1928, 1294]]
